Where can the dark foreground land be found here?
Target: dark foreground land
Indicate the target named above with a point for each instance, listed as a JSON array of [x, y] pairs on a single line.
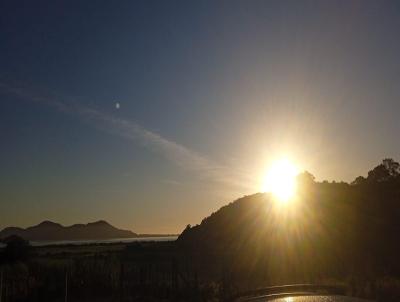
[[151, 271]]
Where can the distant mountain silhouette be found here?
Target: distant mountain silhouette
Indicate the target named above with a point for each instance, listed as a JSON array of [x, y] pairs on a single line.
[[48, 230]]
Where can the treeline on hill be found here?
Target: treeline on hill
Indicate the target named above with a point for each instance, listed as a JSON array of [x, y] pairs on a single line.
[[331, 233]]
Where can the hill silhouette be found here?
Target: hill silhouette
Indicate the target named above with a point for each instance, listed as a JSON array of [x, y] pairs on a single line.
[[48, 230], [329, 230]]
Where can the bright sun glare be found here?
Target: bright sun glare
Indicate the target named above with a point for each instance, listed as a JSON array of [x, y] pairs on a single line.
[[280, 180]]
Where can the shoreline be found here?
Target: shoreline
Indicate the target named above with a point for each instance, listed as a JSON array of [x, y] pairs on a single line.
[[106, 241]]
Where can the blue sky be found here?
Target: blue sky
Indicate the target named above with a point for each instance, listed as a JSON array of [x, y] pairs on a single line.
[[209, 92]]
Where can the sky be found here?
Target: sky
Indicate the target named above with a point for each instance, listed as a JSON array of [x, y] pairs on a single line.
[[154, 114]]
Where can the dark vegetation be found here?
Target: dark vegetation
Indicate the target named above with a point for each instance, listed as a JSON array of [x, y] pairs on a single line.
[[334, 233]]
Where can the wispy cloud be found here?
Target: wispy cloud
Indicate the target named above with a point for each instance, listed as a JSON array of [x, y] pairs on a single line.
[[182, 156]]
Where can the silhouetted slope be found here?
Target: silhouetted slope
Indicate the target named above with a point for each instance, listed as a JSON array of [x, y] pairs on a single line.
[[232, 226], [332, 229], [48, 230]]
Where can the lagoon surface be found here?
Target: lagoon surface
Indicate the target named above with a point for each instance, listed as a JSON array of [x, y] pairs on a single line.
[[100, 241]]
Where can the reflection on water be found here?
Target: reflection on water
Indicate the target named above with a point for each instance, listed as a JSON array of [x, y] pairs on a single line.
[[96, 241]]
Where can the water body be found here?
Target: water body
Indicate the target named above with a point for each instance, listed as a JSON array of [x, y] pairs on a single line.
[[99, 241]]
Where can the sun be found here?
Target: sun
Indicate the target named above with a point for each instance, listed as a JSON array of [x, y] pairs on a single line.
[[280, 180]]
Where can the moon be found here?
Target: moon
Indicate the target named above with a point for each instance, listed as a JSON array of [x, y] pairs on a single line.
[[117, 105]]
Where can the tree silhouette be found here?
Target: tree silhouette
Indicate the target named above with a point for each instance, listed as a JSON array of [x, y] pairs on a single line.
[[17, 249], [305, 178], [392, 166], [359, 180], [387, 170]]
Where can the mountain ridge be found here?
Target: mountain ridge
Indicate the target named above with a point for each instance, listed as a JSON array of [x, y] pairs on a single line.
[[49, 230]]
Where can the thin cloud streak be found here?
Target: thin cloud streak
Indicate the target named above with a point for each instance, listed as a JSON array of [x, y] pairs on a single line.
[[180, 155]]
